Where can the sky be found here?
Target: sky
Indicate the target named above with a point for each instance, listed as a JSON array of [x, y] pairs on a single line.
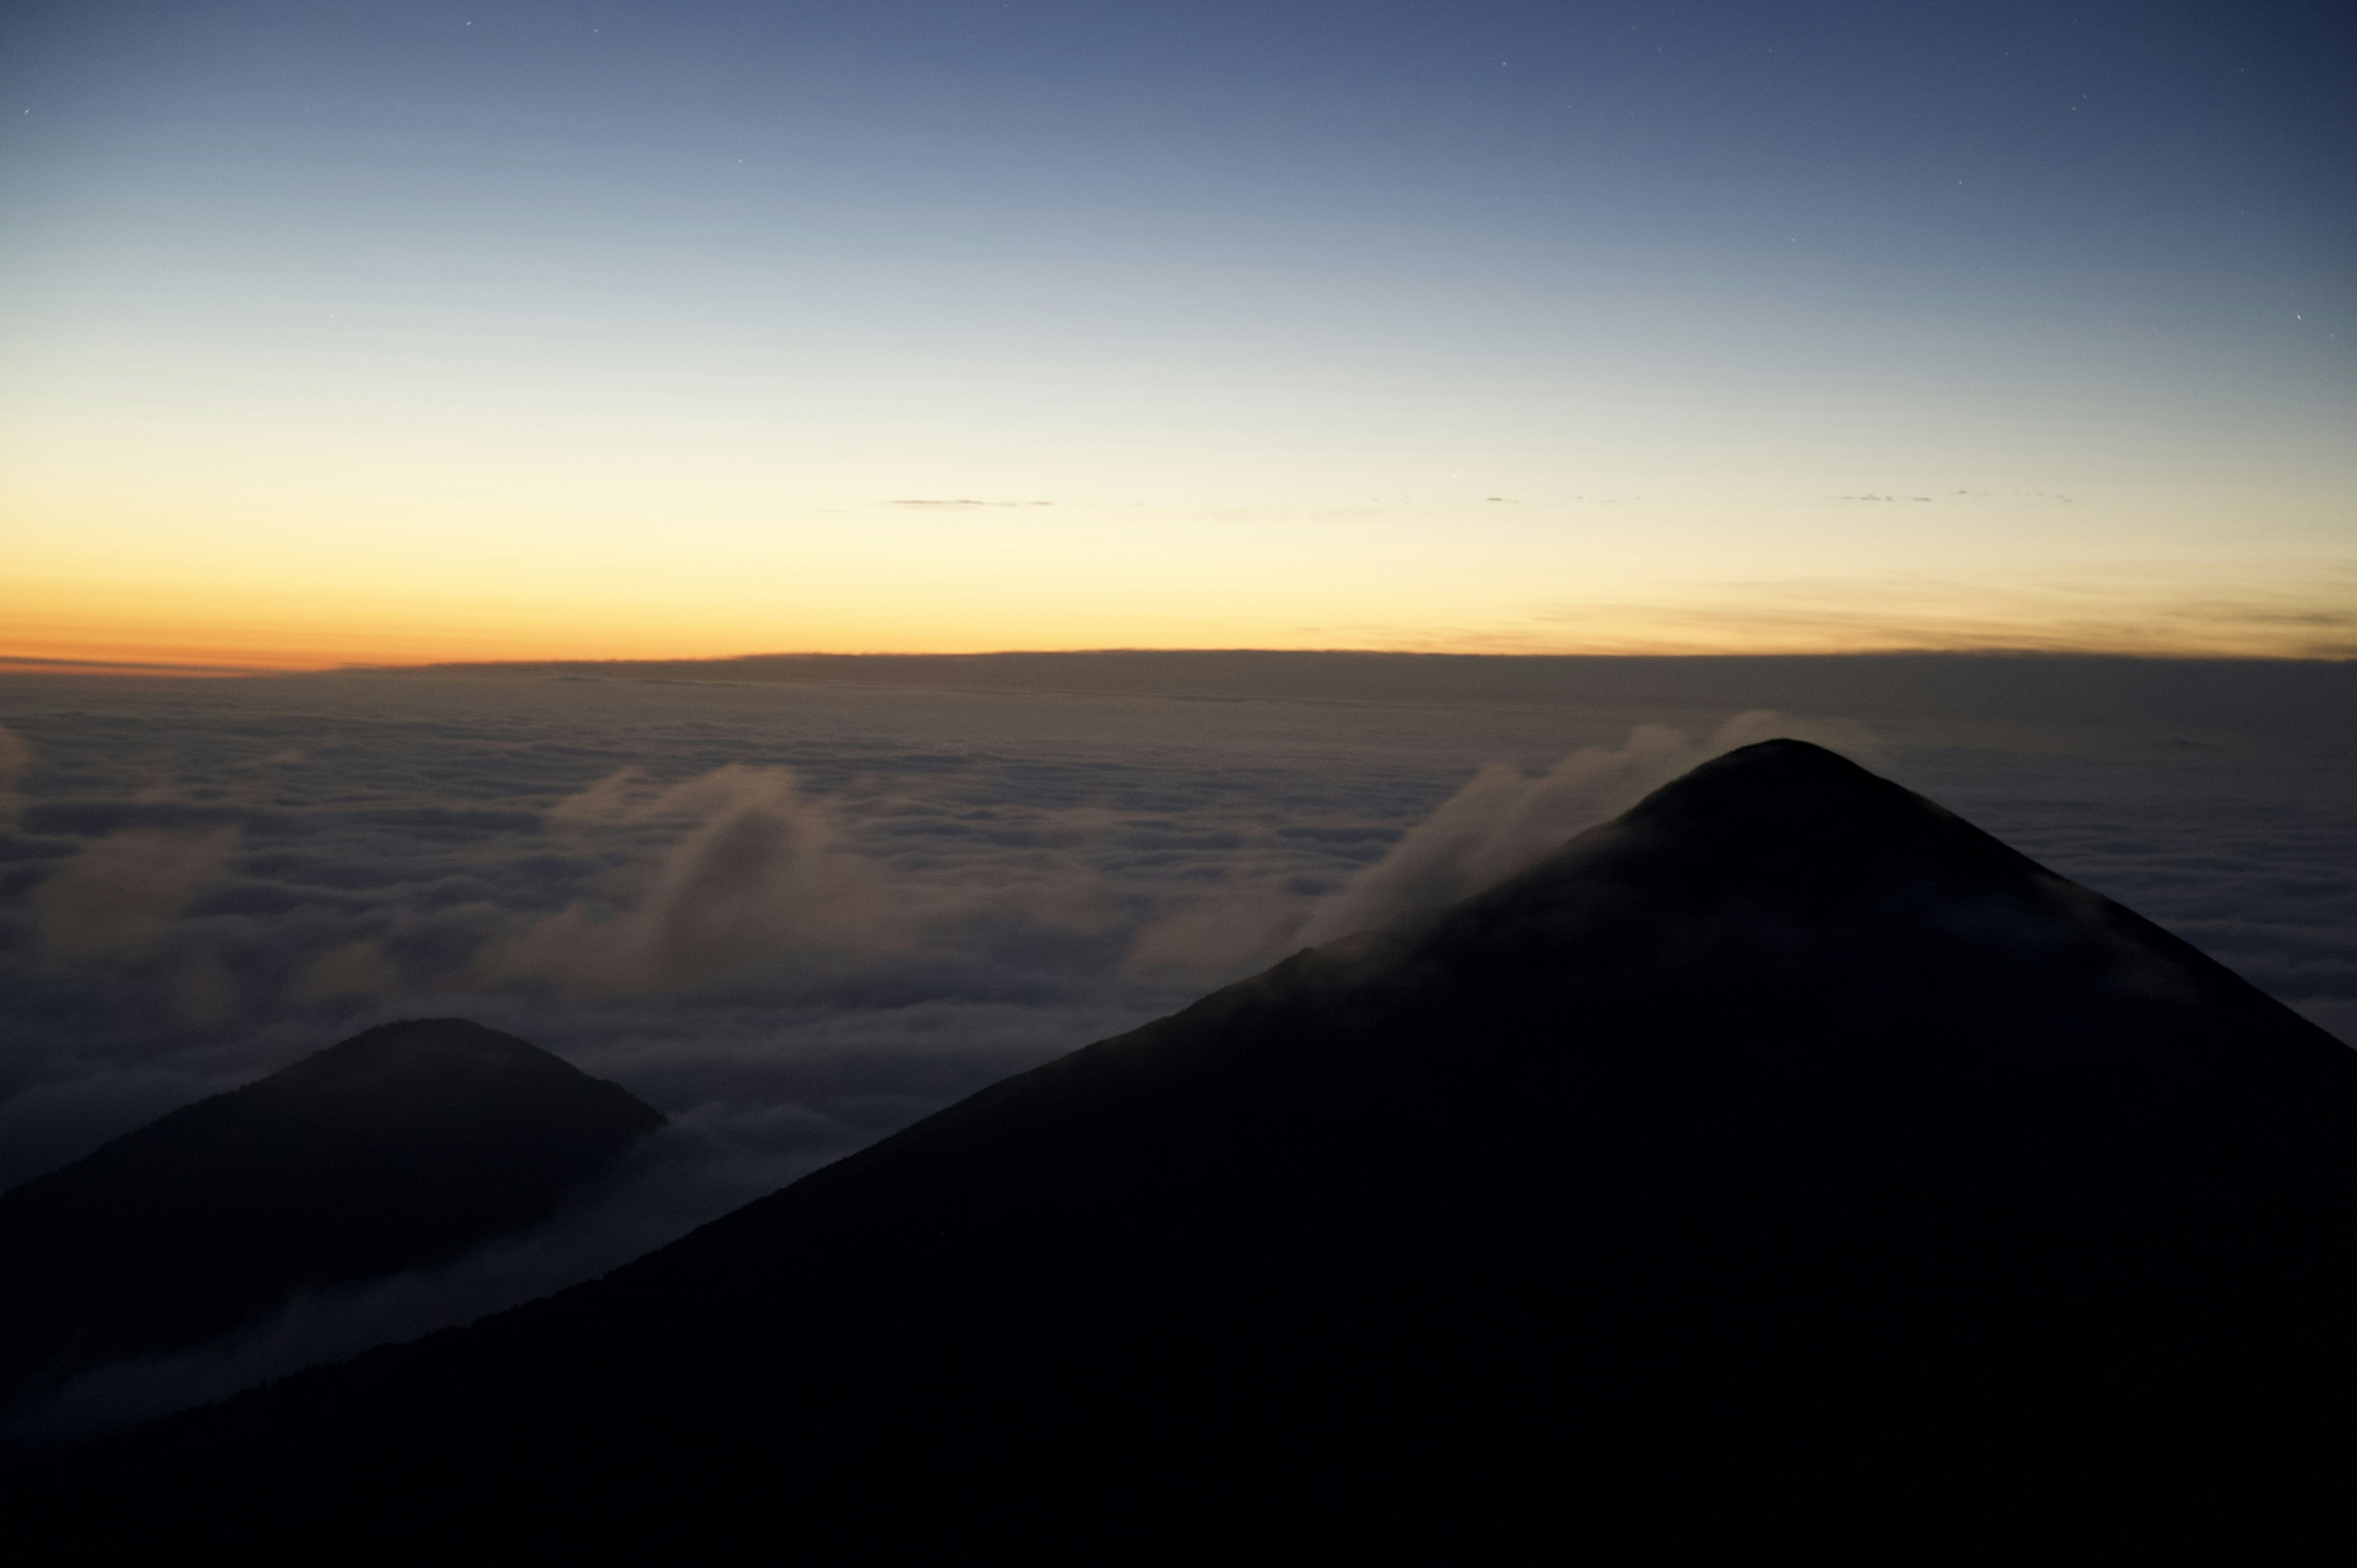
[[796, 910], [513, 330]]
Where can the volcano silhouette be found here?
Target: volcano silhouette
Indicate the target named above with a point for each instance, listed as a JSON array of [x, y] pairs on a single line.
[[402, 1146], [1786, 1167]]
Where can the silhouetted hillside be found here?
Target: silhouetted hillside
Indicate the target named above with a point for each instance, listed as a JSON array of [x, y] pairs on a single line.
[[1787, 1168], [403, 1146]]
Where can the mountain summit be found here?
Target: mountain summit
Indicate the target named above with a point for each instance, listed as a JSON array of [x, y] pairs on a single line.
[[400, 1147], [1786, 1162]]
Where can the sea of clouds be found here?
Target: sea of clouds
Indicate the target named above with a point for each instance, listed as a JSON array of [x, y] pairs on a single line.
[[795, 912]]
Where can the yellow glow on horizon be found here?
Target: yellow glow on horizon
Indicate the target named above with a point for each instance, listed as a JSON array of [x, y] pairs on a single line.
[[176, 617], [306, 554]]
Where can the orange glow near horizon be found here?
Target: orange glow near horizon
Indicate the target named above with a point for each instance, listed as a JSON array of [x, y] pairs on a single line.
[[219, 519], [194, 627], [196, 538]]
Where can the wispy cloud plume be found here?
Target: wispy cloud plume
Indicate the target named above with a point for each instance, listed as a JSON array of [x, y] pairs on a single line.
[[1505, 820], [759, 875], [1502, 822]]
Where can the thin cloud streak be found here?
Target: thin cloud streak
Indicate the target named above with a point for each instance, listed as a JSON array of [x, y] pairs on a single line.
[[2297, 611]]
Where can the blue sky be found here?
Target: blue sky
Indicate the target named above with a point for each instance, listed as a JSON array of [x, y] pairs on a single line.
[[691, 296]]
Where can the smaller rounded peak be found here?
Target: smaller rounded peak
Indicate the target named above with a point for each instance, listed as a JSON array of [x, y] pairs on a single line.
[[420, 1049], [422, 1035]]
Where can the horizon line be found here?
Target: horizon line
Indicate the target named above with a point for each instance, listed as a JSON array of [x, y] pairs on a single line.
[[34, 665]]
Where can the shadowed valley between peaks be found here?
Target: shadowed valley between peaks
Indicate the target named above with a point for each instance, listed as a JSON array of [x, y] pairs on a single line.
[[1786, 1160]]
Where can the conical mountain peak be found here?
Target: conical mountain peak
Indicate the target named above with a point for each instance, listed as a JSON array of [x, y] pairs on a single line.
[[1798, 795], [1783, 828], [1787, 781]]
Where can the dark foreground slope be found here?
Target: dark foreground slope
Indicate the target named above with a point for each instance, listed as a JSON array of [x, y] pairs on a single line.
[[1786, 1166], [401, 1147]]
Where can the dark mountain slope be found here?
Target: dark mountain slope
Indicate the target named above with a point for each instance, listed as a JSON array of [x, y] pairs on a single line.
[[403, 1146], [1786, 1166]]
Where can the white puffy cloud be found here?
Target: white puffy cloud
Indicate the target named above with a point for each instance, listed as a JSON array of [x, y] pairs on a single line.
[[757, 877]]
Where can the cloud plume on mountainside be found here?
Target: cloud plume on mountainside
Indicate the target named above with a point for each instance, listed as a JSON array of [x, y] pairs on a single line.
[[1505, 820], [1502, 821]]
